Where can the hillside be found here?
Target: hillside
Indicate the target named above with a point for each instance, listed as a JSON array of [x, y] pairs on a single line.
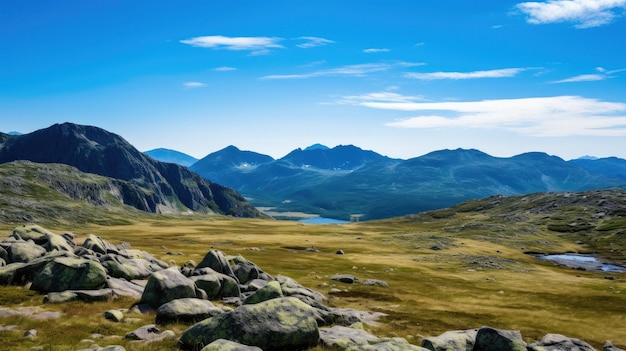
[[171, 156], [347, 180], [165, 187]]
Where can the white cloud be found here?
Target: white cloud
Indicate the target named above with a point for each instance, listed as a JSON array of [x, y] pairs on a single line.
[[254, 44], [312, 42], [224, 69], [384, 96], [192, 85], [585, 13], [602, 74], [495, 73], [360, 70], [375, 50], [545, 116]]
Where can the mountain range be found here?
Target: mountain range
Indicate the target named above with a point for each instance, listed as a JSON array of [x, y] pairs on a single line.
[[136, 179], [347, 180]]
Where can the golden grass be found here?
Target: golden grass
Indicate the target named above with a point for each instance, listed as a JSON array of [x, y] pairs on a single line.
[[480, 276]]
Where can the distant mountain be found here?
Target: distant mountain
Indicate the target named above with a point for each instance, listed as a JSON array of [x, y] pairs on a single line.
[[165, 187], [347, 180], [14, 133], [316, 147], [171, 156]]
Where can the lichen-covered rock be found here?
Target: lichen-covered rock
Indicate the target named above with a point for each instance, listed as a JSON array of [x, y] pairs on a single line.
[[558, 342], [488, 339], [210, 283], [270, 291], [245, 272], [122, 287], [96, 244], [454, 340], [227, 345], [32, 232], [345, 337], [216, 260], [60, 297], [394, 344], [186, 310], [25, 251], [278, 324], [119, 266], [167, 285], [68, 273]]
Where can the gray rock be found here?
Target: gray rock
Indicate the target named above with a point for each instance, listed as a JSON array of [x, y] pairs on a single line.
[[227, 345], [558, 342], [278, 324], [55, 242], [119, 266], [216, 285], [245, 272], [455, 340], [186, 310], [167, 285], [344, 278], [488, 339], [608, 346], [113, 315], [344, 337], [96, 244], [31, 334], [25, 251], [60, 297], [270, 291], [122, 287], [217, 261], [32, 232], [20, 273], [376, 282], [394, 344], [147, 332], [66, 273]]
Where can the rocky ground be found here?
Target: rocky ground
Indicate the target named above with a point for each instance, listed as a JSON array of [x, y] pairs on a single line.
[[256, 311]]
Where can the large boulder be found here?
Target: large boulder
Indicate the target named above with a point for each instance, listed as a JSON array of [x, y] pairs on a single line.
[[489, 339], [227, 345], [217, 261], [345, 337], [25, 251], [167, 285], [278, 324], [69, 273], [119, 266], [98, 245], [215, 284], [558, 342], [186, 310], [455, 340], [270, 291]]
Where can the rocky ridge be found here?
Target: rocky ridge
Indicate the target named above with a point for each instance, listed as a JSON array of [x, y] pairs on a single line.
[[258, 311]]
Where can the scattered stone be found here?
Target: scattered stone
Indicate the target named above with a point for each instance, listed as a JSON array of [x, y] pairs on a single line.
[[344, 278], [7, 327], [60, 297], [283, 323], [558, 342], [495, 339], [227, 345], [186, 310], [608, 346], [345, 337], [270, 291], [339, 252], [462, 340], [30, 334], [167, 285], [113, 315], [147, 332], [376, 282]]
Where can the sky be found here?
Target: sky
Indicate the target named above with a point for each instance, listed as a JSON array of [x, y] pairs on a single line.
[[399, 77]]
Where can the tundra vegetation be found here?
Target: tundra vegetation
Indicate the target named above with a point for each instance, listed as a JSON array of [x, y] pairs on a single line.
[[459, 268]]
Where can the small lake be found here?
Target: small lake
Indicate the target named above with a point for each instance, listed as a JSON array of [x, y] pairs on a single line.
[[322, 220], [586, 262]]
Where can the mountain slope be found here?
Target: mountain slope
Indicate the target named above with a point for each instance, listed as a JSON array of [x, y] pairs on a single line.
[[171, 156], [166, 187]]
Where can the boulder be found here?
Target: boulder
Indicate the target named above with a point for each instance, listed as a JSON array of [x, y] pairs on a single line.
[[20, 273], [488, 339], [278, 324], [60, 297], [393, 344], [376, 282], [147, 332], [455, 340], [345, 337], [344, 278], [32, 232], [216, 260], [113, 315], [25, 251], [119, 266], [167, 285], [186, 310], [210, 283], [215, 284], [558, 342], [96, 244], [245, 272], [270, 291], [123, 287], [82, 295], [608, 346], [68, 273], [227, 345], [55, 242]]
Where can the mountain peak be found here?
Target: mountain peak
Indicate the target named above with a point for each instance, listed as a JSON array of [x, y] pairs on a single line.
[[316, 147]]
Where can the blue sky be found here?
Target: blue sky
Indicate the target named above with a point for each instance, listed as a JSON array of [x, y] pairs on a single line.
[[402, 78]]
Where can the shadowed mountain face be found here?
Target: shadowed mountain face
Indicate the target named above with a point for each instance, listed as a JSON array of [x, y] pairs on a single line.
[[348, 180], [165, 187], [171, 156]]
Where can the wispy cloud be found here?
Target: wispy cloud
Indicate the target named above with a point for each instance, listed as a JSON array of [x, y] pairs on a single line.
[[383, 96], [312, 42], [602, 74], [495, 73], [224, 69], [584, 13], [546, 116], [375, 50], [194, 85], [359, 70], [257, 45]]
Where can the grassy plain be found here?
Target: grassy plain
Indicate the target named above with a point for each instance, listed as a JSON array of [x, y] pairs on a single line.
[[452, 269]]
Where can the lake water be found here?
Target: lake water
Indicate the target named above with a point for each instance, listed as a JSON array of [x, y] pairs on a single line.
[[587, 262], [322, 220]]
